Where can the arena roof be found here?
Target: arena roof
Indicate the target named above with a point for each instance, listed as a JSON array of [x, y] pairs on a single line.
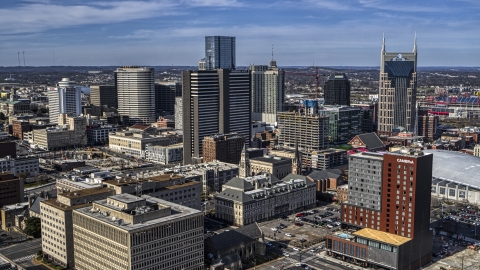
[[456, 167]]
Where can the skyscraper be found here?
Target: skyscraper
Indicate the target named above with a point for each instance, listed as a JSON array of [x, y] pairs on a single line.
[[268, 92], [136, 93], [165, 93], [104, 95], [216, 101], [337, 90], [398, 91], [65, 98], [219, 52]]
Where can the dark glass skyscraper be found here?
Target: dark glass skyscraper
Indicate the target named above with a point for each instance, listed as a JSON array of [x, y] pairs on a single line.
[[219, 52], [337, 90]]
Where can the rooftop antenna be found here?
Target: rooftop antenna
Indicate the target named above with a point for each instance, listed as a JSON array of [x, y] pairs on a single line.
[[24, 58], [272, 52], [18, 58], [415, 43]]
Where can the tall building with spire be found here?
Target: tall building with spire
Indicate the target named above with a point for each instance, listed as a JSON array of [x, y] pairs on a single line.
[[398, 91], [268, 91]]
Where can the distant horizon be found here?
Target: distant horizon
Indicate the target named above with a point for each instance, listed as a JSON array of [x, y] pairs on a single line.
[[242, 66], [300, 32]]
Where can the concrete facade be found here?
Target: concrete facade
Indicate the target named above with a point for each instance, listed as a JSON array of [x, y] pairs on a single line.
[[142, 232]]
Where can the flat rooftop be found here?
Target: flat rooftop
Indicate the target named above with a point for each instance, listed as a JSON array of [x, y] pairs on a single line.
[[64, 207], [126, 198], [157, 178], [272, 160], [85, 192], [383, 237], [177, 212]]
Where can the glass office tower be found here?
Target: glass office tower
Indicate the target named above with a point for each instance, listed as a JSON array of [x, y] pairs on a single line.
[[219, 52]]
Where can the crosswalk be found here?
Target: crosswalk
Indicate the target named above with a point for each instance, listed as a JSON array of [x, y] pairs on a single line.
[[25, 258]]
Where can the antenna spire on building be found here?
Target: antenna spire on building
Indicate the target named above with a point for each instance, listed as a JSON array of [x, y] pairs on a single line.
[[272, 52], [415, 43], [383, 43]]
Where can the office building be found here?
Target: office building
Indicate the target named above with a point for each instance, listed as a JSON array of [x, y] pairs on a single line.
[[12, 189], [170, 154], [178, 113], [19, 127], [223, 147], [269, 196], [136, 93], [268, 92], [337, 90], [310, 131], [398, 91], [214, 102], [57, 223], [12, 216], [427, 126], [134, 143], [389, 206], [104, 95], [219, 53], [165, 94], [71, 132], [20, 166], [277, 166], [98, 135], [65, 98], [212, 175], [131, 233], [170, 187], [344, 123]]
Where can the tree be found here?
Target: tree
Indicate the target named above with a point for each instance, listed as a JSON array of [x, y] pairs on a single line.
[[33, 227]]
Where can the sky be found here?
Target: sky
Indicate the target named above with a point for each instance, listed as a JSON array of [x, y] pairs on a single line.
[[172, 32]]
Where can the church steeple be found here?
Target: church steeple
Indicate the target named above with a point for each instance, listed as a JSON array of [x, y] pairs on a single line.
[[244, 166], [296, 162]]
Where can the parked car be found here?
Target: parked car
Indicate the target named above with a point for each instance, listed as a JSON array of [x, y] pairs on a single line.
[[288, 234], [286, 254], [296, 249]]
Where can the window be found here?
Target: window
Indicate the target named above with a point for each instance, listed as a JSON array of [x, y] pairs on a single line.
[[451, 192]]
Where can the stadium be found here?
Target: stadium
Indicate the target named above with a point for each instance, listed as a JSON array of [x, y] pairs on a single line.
[[456, 176]]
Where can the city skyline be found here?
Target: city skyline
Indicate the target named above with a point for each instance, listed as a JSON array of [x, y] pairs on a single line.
[[164, 32]]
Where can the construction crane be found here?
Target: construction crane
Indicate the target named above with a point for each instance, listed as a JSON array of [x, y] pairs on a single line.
[[316, 75]]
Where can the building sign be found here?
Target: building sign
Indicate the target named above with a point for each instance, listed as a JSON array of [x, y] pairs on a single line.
[[401, 160]]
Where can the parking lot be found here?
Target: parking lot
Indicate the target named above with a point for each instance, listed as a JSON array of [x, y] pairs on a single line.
[[303, 229]]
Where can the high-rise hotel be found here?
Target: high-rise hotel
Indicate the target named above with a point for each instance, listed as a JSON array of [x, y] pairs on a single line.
[[387, 215]]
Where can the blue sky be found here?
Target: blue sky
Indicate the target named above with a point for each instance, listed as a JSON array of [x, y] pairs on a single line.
[[171, 32]]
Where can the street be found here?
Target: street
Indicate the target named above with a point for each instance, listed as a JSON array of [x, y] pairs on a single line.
[[23, 253]]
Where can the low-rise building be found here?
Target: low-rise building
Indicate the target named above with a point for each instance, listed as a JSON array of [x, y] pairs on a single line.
[[142, 232], [11, 191], [325, 180], [212, 175], [170, 154], [170, 187], [247, 200], [19, 127], [229, 249], [342, 193], [77, 183], [57, 223], [134, 143], [223, 147], [18, 166], [369, 141], [278, 166], [71, 132], [98, 135], [12, 215]]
